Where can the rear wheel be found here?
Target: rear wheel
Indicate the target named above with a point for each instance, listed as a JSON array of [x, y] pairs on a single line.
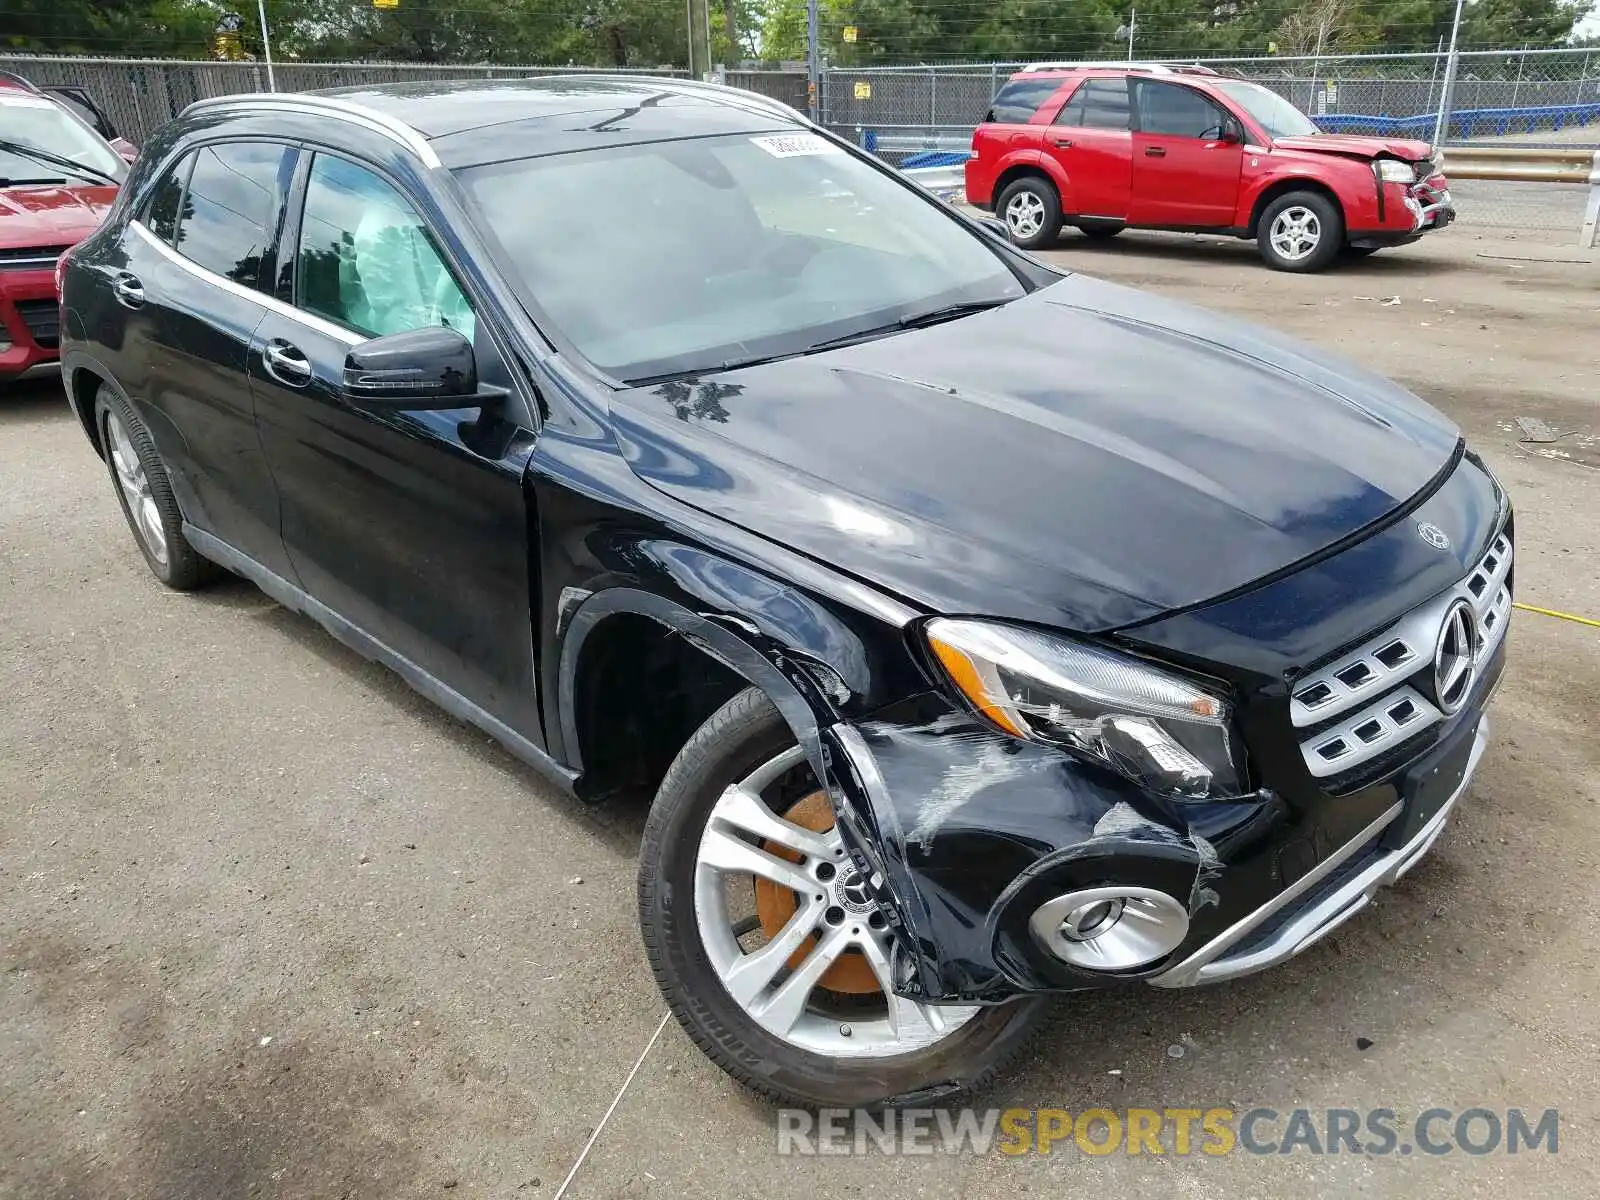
[[1300, 231], [1031, 209], [770, 947], [145, 493]]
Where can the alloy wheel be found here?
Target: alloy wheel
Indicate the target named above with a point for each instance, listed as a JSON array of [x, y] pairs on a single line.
[[815, 964], [1025, 215], [135, 487], [1296, 233]]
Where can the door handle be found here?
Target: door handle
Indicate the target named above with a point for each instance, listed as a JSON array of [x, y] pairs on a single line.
[[286, 363], [1063, 142], [1155, 152], [128, 290]]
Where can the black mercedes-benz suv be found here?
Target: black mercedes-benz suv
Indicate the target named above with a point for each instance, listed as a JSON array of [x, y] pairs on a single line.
[[979, 631]]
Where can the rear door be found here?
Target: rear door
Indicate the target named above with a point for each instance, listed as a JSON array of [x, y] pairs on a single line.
[[183, 304], [410, 525], [1091, 140], [1185, 165]]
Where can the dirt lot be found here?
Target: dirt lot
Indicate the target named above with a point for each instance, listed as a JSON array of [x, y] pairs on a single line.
[[271, 926]]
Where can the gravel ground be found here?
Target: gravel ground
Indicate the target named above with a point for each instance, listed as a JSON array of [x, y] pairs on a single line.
[[271, 926]]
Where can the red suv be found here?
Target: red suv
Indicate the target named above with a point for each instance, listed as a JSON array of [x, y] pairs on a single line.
[[1111, 147], [58, 176]]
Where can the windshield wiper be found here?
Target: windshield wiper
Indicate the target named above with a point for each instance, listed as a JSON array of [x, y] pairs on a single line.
[[56, 160], [5, 183], [921, 320], [933, 316]]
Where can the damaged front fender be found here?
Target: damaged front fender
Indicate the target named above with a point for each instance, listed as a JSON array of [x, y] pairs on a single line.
[[971, 832]]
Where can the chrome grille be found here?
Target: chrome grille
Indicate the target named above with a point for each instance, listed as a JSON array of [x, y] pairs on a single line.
[[1370, 700], [31, 258]]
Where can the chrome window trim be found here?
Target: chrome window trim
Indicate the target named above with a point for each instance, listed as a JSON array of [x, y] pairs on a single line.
[[355, 114], [309, 320]]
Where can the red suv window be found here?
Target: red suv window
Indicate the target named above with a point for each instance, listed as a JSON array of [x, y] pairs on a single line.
[[1097, 104], [1020, 99]]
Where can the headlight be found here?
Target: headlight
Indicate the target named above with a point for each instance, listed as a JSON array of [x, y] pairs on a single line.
[[1159, 730], [1392, 170]]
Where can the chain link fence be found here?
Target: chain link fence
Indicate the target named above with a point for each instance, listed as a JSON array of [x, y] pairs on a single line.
[[139, 95], [1363, 93]]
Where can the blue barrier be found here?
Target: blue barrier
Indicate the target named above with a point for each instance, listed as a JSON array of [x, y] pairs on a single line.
[[1465, 122], [932, 158]]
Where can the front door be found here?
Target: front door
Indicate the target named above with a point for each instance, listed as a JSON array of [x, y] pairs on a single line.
[[1091, 140], [410, 525], [1187, 157]]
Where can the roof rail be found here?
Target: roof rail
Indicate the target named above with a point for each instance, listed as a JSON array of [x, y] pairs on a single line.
[[1136, 67], [332, 106]]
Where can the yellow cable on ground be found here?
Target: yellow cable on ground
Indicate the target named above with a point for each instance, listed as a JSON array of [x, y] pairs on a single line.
[[1550, 612]]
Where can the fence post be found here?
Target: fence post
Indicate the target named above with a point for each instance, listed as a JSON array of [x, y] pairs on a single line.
[[813, 62], [1441, 127], [933, 95]]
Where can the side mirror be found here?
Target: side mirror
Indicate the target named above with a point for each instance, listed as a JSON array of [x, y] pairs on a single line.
[[418, 369], [995, 226], [1232, 134], [126, 149]]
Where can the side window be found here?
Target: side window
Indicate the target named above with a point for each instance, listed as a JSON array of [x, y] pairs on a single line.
[[1016, 103], [1098, 104], [161, 213], [365, 259], [1166, 108], [228, 209]]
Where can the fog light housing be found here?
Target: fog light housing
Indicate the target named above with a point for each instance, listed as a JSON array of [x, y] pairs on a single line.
[[1110, 928]]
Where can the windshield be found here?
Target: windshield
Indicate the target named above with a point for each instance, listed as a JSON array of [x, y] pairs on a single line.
[[43, 123], [1270, 110], [695, 255]]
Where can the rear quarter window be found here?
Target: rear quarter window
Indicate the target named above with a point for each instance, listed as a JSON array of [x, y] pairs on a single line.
[[1016, 103]]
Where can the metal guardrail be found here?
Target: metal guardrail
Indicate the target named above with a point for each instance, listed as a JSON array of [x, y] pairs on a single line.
[[1532, 164], [947, 182]]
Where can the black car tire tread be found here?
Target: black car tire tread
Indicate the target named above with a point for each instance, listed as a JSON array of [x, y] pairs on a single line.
[[734, 740], [1050, 230], [185, 569], [1331, 218]]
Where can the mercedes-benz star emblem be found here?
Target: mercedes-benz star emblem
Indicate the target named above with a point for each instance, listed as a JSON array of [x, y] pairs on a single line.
[[1433, 535], [856, 893], [1455, 658]]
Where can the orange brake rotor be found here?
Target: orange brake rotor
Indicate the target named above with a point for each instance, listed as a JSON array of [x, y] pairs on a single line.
[[775, 904]]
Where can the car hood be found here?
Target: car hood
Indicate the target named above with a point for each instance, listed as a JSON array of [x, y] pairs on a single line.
[[51, 216], [1357, 147], [1086, 457]]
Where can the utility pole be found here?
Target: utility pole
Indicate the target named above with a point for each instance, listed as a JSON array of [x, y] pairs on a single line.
[[1446, 93], [266, 44], [813, 62], [1133, 24]]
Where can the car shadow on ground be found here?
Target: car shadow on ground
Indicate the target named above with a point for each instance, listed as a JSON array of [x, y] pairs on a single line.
[[33, 401]]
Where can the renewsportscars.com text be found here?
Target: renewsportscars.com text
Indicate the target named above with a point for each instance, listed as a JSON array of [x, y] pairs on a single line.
[[1175, 1131]]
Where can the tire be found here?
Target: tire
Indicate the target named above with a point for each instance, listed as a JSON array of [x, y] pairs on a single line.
[[144, 490], [1036, 197], [745, 736], [1099, 232], [1311, 213]]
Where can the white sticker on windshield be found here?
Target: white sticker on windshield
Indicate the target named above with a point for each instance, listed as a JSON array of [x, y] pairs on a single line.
[[791, 145]]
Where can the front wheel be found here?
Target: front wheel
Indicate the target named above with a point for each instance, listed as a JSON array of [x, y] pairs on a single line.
[[1031, 209], [769, 946], [1301, 231]]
